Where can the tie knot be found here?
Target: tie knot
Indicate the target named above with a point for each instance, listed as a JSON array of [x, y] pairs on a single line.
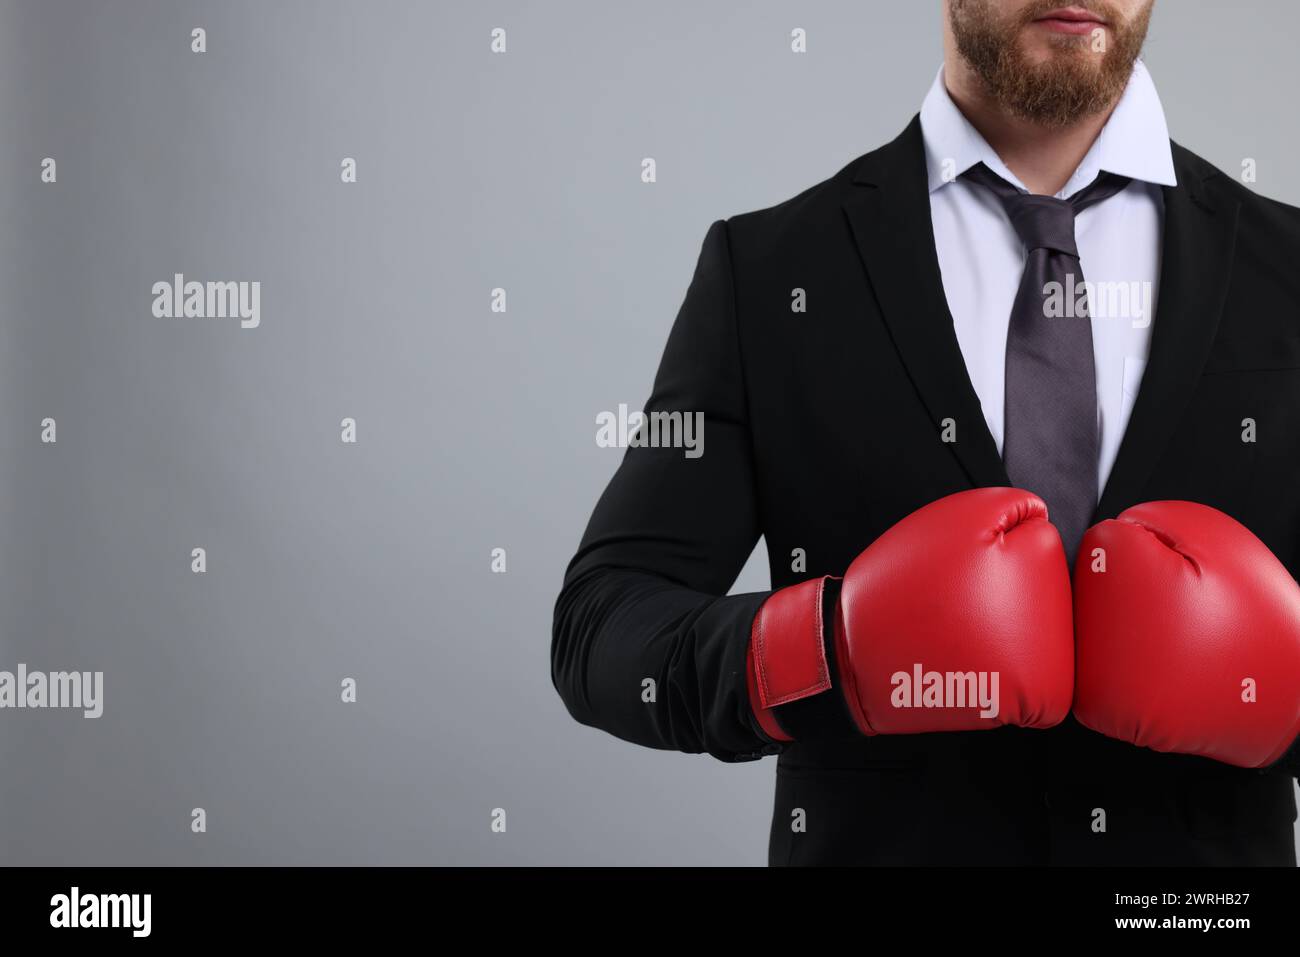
[[1045, 222], [1042, 222]]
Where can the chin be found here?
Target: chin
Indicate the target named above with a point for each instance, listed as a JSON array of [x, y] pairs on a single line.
[[1075, 59], [1041, 48]]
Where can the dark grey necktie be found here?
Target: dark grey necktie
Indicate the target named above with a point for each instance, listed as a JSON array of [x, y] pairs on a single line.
[[1050, 442]]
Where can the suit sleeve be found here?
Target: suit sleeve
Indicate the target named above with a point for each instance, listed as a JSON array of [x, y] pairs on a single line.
[[1289, 763], [646, 644]]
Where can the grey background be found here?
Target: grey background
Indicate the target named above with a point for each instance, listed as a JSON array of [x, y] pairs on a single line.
[[476, 429]]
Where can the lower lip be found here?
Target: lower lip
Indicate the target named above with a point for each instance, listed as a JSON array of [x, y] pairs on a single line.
[[1076, 27]]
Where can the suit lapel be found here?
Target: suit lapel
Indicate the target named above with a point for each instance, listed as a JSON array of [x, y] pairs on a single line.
[[888, 208], [1199, 236]]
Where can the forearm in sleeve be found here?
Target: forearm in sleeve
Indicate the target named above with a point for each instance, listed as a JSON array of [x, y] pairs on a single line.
[[646, 644]]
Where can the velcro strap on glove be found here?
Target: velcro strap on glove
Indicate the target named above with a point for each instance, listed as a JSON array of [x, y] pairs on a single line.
[[787, 646]]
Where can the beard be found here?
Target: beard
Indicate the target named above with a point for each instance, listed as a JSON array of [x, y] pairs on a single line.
[[1073, 82]]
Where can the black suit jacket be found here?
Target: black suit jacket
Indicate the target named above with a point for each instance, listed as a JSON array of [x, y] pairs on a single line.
[[822, 429]]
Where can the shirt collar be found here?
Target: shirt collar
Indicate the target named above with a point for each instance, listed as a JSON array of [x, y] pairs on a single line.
[[1134, 142]]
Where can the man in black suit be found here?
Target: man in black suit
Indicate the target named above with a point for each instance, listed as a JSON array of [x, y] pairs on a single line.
[[863, 350]]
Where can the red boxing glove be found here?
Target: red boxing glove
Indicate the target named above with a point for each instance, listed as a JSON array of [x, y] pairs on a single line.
[[955, 619], [1187, 633]]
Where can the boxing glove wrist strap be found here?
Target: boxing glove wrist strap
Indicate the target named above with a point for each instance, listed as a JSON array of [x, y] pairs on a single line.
[[790, 663]]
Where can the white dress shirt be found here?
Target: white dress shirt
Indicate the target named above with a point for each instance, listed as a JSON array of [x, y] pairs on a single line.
[[981, 257]]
